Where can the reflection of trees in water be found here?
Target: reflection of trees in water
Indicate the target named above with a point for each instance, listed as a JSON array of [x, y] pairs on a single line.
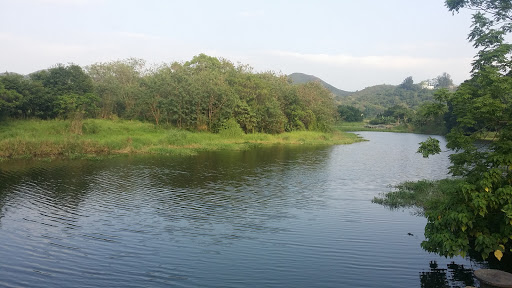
[[453, 277], [51, 190], [225, 194], [212, 189], [5, 181], [61, 181], [235, 167]]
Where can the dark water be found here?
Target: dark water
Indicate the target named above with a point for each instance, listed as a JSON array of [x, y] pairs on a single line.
[[272, 217]]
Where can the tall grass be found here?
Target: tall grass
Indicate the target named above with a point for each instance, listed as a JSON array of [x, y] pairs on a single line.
[[52, 138]]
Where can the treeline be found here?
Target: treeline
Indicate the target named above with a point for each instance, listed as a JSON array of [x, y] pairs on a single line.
[[375, 100], [202, 94], [416, 105]]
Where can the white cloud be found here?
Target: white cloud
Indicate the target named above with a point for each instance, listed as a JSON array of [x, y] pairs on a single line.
[[382, 62]]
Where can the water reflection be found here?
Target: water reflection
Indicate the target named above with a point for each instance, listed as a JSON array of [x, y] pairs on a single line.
[[209, 189], [273, 217], [454, 276]]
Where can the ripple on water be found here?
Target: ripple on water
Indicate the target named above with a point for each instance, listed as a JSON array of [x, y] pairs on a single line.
[[296, 217]]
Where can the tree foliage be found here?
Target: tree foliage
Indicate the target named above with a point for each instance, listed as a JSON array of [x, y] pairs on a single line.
[[117, 84], [399, 113], [431, 116], [204, 94], [408, 84], [478, 215], [10, 99], [350, 113], [375, 100], [42, 94], [444, 81]]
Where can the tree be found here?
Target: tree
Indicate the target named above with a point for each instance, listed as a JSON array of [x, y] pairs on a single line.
[[201, 94], [398, 112], [443, 81], [270, 102], [320, 109], [14, 90], [75, 107], [69, 91], [430, 116], [272, 119], [62, 79], [245, 117], [479, 214], [117, 84], [407, 84], [213, 94], [51, 85], [9, 100], [350, 113], [156, 99]]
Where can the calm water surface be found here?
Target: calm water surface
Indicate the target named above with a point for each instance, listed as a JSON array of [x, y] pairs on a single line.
[[270, 217]]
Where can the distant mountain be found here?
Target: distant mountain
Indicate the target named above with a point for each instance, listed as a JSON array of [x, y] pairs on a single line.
[[299, 78], [374, 99]]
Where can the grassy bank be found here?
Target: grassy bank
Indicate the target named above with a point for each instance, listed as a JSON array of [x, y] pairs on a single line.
[[361, 126], [52, 138], [402, 128]]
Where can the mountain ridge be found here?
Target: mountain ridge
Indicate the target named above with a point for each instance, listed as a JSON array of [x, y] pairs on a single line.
[[374, 99], [299, 78]]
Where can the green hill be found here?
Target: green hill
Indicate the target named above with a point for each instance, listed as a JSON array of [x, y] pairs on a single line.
[[299, 78], [375, 99]]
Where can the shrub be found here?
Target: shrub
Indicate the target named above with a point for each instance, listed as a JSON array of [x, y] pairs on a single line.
[[231, 129]]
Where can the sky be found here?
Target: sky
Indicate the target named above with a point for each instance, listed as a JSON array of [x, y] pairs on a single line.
[[351, 44]]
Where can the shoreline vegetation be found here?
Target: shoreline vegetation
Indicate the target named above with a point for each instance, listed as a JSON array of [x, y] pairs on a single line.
[[421, 195], [179, 108], [129, 107], [43, 139], [365, 126], [207, 103]]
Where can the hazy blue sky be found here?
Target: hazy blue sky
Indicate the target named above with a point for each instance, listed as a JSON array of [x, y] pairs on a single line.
[[351, 44]]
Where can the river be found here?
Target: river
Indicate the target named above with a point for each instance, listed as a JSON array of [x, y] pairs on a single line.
[[269, 217]]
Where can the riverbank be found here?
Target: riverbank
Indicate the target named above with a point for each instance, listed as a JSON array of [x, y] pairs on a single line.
[[402, 128], [52, 138], [364, 126]]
